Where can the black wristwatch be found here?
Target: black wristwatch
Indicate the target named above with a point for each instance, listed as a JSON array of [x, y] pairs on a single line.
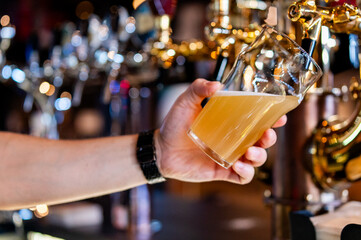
[[146, 155]]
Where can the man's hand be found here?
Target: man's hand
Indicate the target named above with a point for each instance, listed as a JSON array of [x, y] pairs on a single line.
[[180, 158]]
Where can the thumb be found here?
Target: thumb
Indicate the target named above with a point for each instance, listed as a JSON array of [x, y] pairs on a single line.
[[199, 90]]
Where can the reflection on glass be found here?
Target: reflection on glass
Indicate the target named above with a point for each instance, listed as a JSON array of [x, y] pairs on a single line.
[[269, 79]]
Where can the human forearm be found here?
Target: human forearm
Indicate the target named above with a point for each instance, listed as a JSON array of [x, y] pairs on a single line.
[[35, 171], [41, 171]]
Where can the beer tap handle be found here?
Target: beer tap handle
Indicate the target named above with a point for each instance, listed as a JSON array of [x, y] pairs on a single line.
[[308, 45], [221, 65], [220, 69]]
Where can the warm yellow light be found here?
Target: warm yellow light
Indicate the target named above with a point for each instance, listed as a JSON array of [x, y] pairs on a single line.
[[41, 210], [44, 87], [248, 76], [111, 55], [137, 3], [164, 22], [193, 46], [278, 73], [200, 45], [5, 20], [167, 64], [279, 37], [84, 9], [324, 123], [51, 90], [66, 95], [164, 56], [171, 52], [131, 20], [214, 54], [183, 49], [251, 34]]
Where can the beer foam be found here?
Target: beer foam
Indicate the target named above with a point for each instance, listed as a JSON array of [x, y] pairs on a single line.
[[242, 93]]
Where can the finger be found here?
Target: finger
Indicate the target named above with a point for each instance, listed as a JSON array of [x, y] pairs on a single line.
[[245, 171], [255, 156], [267, 140], [282, 121], [199, 90]]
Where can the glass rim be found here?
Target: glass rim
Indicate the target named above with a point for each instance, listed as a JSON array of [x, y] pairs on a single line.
[[266, 26]]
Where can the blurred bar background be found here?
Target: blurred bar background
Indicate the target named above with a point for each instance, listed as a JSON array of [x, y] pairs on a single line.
[[77, 69]]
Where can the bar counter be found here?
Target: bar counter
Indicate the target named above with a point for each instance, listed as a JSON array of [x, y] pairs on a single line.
[[236, 213]]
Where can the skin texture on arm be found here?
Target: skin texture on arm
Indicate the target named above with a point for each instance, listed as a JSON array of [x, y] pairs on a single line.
[[40, 171]]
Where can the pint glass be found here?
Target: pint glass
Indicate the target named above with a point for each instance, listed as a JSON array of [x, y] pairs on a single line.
[[269, 78]]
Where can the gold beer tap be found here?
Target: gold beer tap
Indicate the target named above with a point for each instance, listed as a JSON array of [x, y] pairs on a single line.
[[220, 26], [340, 19], [166, 51], [223, 36], [231, 30], [333, 154], [307, 13]]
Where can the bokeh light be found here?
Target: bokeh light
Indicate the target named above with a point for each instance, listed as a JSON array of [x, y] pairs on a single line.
[[18, 75], [84, 9], [41, 210], [44, 87], [6, 72], [5, 20], [62, 104]]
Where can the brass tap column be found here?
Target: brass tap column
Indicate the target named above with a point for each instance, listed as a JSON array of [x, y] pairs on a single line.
[[219, 30], [333, 145], [294, 187], [162, 25]]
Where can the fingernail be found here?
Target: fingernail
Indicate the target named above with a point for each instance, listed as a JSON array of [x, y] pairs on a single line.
[[251, 153], [239, 166], [213, 83]]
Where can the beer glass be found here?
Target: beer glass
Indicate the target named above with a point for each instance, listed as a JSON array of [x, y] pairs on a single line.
[[269, 78]]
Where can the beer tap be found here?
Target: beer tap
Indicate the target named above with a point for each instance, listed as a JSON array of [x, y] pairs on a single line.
[[293, 186], [219, 30], [339, 19], [232, 28], [167, 49], [306, 13], [342, 19], [331, 153]]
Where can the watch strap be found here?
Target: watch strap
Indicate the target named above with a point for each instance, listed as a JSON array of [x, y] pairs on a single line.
[[146, 155]]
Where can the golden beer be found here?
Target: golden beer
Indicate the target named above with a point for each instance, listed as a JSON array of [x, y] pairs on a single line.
[[233, 121]]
